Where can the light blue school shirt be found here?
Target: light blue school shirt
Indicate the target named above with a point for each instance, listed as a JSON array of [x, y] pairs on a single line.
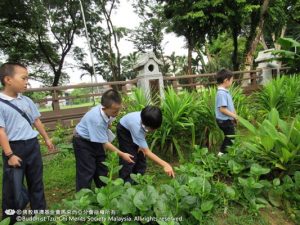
[[223, 99], [133, 123], [94, 125], [16, 126]]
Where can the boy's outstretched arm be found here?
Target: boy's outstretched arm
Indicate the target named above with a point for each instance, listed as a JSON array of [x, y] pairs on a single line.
[[40, 127], [127, 157], [13, 160], [167, 167]]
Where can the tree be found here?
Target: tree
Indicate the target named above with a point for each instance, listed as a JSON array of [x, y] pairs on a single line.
[[281, 21], [256, 29], [127, 65], [236, 14], [44, 34], [113, 36], [149, 34], [104, 38], [63, 20], [15, 22]]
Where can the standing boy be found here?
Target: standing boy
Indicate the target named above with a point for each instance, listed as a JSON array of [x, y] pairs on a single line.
[[21, 149], [131, 132], [92, 137], [225, 112]]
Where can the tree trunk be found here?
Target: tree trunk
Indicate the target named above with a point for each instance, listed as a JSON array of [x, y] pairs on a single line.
[[190, 50], [274, 39], [253, 42], [207, 53], [189, 69], [115, 69], [118, 66], [263, 42], [234, 58]]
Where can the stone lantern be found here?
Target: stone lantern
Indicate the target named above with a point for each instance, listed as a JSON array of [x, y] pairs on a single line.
[[150, 79], [266, 62]]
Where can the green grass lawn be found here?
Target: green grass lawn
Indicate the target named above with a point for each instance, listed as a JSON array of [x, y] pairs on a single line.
[[46, 109]]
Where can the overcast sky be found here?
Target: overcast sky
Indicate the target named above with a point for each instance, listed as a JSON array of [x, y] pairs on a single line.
[[124, 16]]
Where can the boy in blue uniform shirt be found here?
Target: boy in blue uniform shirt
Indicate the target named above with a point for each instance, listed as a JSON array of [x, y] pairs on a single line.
[[92, 136], [21, 149], [225, 112], [131, 132]]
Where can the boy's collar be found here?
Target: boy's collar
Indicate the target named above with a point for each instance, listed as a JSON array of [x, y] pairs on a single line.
[[222, 88], [144, 128], [105, 117], [9, 98]]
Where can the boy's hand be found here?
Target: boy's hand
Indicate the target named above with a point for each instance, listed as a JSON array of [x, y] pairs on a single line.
[[50, 145], [14, 161], [127, 157], [169, 170]]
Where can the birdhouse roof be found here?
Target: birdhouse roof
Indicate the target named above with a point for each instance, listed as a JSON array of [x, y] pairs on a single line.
[[144, 58]]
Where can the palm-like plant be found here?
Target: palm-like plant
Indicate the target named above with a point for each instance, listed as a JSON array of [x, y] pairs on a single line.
[[292, 95], [282, 93], [241, 101], [127, 63], [136, 101], [178, 129], [210, 134]]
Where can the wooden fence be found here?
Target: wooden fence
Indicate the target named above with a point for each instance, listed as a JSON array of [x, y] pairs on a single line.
[[69, 117]]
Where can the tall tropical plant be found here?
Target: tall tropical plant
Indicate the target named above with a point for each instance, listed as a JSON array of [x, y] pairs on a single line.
[[274, 143], [210, 134], [282, 93], [136, 101], [178, 130]]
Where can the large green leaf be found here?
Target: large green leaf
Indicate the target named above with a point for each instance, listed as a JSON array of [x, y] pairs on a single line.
[[258, 170], [247, 124], [199, 185], [268, 142], [288, 43], [102, 199], [286, 155], [235, 167], [275, 197], [207, 205], [6, 221]]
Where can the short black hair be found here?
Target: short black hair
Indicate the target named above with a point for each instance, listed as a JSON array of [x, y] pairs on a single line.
[[151, 117], [223, 74], [8, 69], [110, 97]]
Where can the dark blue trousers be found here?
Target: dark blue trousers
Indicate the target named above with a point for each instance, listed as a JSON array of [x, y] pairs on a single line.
[[227, 126], [127, 145], [89, 158], [14, 194]]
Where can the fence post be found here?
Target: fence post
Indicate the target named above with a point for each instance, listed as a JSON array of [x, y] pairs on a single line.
[[175, 85], [55, 101], [124, 89]]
